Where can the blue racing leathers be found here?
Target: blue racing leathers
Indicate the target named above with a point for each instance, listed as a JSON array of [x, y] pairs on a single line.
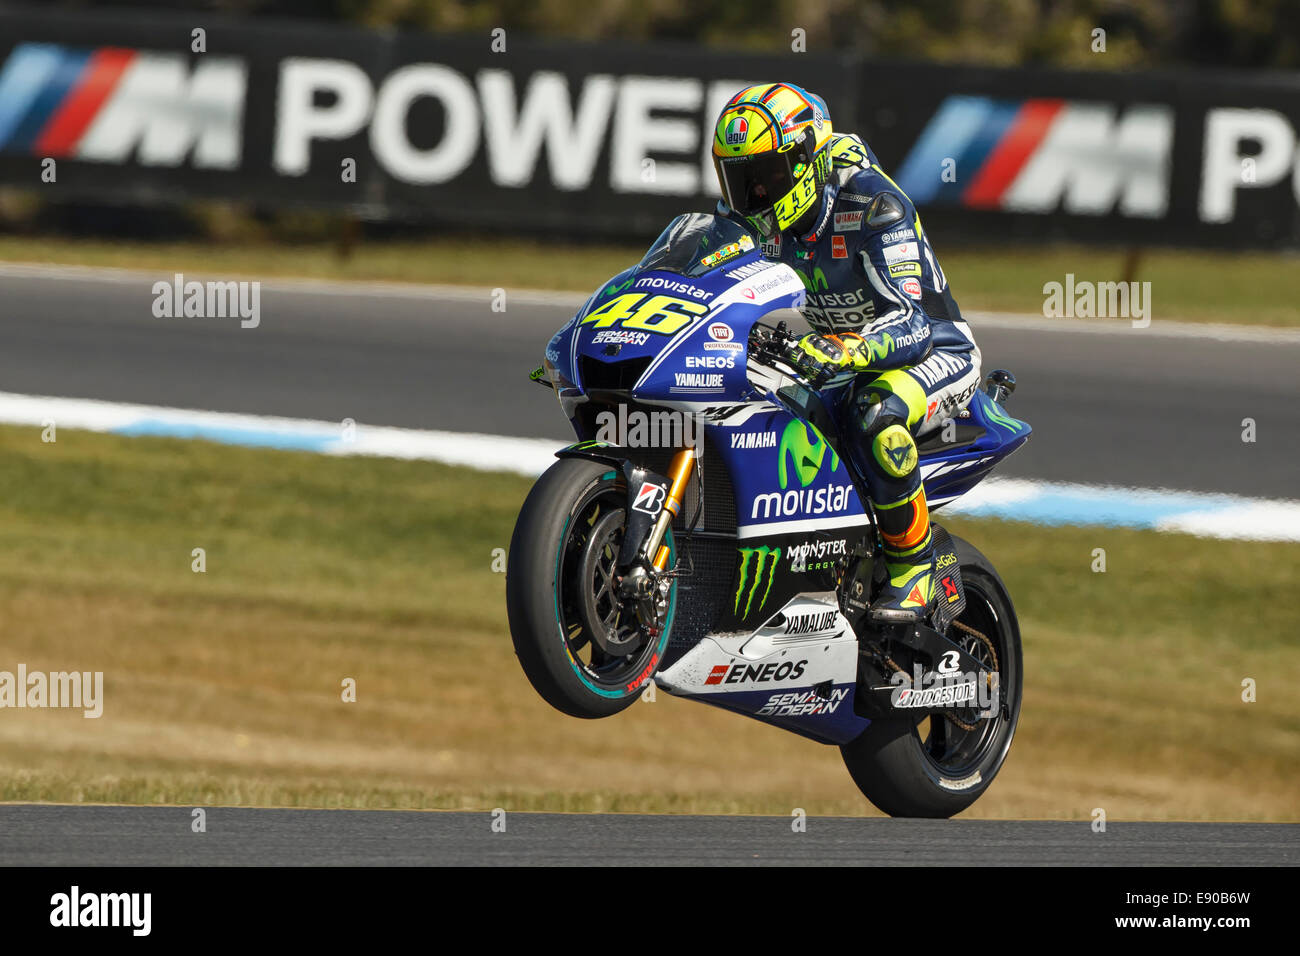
[[869, 269]]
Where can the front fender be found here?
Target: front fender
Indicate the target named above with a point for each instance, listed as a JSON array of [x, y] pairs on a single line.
[[596, 450], [646, 492]]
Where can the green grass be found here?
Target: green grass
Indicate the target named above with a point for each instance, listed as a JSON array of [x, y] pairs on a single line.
[[225, 687], [1251, 288]]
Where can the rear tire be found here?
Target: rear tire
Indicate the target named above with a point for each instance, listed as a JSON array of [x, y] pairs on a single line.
[[897, 762], [573, 498]]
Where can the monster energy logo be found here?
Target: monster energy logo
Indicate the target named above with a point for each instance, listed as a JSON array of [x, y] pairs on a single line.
[[807, 456], [762, 559]]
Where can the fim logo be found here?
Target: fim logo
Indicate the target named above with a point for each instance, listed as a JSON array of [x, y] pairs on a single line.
[[755, 563]]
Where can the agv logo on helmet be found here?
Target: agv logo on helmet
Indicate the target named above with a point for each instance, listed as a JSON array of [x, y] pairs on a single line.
[[737, 130]]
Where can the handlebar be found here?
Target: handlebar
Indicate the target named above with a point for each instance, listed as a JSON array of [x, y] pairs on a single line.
[[776, 344]]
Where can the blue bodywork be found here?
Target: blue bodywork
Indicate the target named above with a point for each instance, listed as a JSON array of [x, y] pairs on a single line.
[[688, 351]]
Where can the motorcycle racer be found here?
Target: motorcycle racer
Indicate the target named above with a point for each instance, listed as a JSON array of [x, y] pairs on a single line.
[[877, 299]]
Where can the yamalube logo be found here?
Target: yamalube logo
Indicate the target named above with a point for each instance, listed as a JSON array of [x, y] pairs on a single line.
[[208, 300], [695, 381]]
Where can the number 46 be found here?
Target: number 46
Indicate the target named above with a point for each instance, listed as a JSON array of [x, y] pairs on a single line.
[[664, 314]]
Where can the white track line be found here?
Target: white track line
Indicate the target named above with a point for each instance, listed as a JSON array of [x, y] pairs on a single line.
[[1048, 503]]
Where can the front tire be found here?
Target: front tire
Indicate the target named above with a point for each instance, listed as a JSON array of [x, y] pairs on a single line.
[[931, 767], [557, 584]]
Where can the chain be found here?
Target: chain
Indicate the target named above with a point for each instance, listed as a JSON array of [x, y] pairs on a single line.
[[967, 629], [984, 640]]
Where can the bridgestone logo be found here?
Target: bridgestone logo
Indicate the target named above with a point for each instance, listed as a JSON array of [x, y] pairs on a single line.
[[946, 688], [947, 695]]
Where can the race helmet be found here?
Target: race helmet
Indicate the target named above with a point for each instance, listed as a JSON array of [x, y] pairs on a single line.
[[771, 153]]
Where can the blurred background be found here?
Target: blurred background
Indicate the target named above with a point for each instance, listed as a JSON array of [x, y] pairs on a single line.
[[392, 172]]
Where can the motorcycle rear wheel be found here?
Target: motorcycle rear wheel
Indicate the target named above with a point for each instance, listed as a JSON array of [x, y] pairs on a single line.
[[931, 767]]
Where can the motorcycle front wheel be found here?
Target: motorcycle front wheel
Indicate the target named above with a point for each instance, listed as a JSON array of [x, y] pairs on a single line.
[[583, 650]]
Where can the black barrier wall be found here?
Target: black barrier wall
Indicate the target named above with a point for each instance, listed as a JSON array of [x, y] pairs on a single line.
[[607, 140]]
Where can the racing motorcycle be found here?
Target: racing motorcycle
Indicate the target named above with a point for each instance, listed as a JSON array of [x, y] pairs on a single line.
[[709, 533]]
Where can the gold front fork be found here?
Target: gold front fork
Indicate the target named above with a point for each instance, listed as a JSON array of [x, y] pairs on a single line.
[[680, 472]]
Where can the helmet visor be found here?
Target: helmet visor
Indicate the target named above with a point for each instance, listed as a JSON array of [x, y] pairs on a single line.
[[754, 183]]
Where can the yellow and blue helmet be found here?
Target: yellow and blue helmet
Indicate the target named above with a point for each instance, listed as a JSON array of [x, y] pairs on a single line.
[[770, 153]]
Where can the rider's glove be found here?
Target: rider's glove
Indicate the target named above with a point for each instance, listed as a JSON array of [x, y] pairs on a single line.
[[821, 357], [817, 358], [855, 348]]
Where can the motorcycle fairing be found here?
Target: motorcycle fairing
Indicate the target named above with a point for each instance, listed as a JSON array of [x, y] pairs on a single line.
[[803, 681]]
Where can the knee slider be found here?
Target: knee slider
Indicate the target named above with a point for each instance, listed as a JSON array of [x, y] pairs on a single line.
[[894, 451]]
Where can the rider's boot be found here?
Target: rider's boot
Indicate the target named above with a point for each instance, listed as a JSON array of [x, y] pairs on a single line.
[[909, 560], [893, 477]]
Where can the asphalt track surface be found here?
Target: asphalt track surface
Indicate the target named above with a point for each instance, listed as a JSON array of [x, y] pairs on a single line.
[[1128, 407], [152, 836]]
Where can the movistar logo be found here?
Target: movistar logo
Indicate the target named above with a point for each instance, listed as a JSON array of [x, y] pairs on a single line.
[[818, 280], [757, 560], [879, 348], [806, 455], [611, 288]]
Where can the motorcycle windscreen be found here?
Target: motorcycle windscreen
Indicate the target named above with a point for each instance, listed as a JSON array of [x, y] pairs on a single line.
[[694, 243]]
